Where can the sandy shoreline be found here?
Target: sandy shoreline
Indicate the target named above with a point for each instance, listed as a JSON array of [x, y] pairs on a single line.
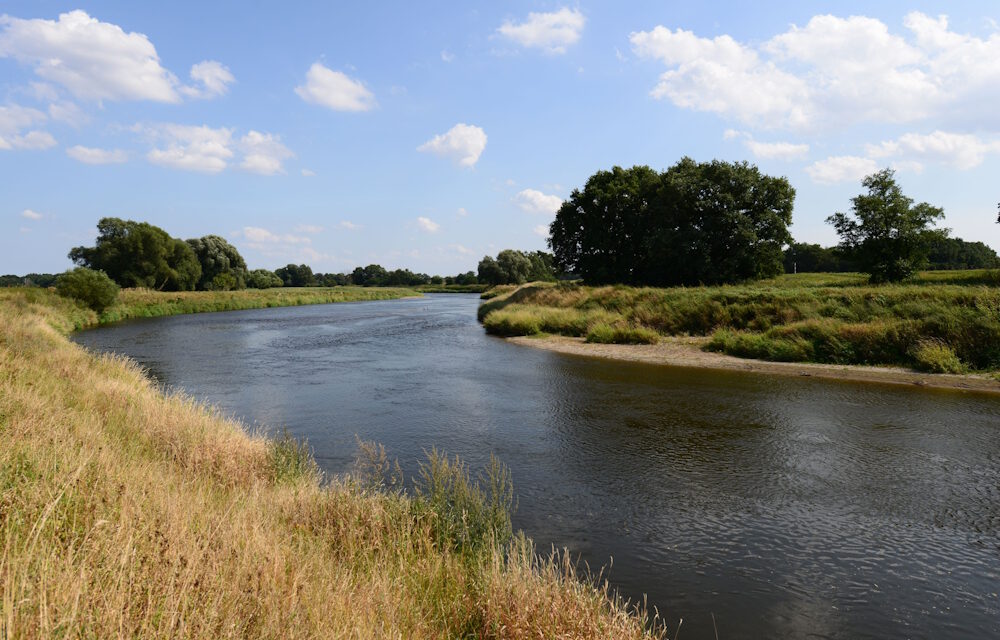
[[686, 352]]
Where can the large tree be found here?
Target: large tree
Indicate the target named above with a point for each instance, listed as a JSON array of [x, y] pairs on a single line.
[[886, 235], [222, 266], [138, 254], [296, 275], [695, 223]]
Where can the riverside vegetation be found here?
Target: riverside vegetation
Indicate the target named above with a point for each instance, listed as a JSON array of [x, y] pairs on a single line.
[[942, 322], [125, 511]]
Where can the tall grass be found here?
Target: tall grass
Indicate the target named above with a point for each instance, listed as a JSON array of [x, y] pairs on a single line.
[[835, 318], [125, 512]]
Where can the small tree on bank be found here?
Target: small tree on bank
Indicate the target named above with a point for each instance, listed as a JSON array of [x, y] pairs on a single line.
[[93, 288], [886, 235]]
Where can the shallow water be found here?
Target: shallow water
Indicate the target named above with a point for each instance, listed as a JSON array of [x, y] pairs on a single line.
[[786, 507]]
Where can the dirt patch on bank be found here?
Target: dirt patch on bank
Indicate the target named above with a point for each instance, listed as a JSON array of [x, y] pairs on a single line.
[[687, 352]]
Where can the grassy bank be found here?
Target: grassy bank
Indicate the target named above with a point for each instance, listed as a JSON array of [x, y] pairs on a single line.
[[452, 288], [125, 512], [939, 322]]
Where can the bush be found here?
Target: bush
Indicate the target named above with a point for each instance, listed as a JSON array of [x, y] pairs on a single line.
[[935, 356], [263, 279], [93, 288]]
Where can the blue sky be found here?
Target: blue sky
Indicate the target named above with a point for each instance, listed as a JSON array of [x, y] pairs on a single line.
[[426, 135]]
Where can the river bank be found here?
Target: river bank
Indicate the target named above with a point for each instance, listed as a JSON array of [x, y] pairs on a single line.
[[689, 352], [125, 511]]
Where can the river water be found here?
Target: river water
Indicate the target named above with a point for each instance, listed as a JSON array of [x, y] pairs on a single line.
[[785, 507]]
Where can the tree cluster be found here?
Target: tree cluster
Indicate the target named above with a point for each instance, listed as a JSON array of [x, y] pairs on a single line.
[[695, 223], [516, 267], [802, 257]]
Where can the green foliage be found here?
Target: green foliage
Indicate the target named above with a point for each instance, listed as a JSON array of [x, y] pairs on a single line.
[[515, 267], [263, 279], [296, 275], [955, 253], [29, 280], [886, 235], [93, 288], [801, 257], [936, 356], [138, 254], [219, 258], [291, 459], [466, 516], [616, 333], [695, 223]]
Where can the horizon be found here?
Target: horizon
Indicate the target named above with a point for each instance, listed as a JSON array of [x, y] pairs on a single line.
[[425, 139]]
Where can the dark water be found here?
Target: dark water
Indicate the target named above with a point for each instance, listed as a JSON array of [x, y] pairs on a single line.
[[786, 507]]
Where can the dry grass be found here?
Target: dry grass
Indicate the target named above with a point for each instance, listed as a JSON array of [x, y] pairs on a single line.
[[127, 513]]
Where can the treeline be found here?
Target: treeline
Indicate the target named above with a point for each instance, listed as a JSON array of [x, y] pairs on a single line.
[[943, 254]]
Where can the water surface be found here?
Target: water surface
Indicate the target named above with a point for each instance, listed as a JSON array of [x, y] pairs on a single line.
[[787, 507]]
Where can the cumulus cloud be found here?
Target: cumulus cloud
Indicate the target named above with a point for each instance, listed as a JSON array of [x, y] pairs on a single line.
[[551, 32], [335, 90], [447, 56], [462, 212], [464, 143], [961, 151], [259, 236], [14, 120], [96, 60], [841, 169], [428, 225], [92, 155], [542, 230], [462, 250], [534, 201], [308, 228], [350, 226], [832, 72], [769, 150], [212, 78], [263, 153], [31, 215], [308, 173]]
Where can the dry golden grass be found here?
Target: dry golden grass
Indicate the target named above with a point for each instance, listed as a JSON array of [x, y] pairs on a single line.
[[128, 513]]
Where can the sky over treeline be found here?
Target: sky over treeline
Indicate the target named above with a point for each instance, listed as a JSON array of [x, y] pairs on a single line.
[[426, 135]]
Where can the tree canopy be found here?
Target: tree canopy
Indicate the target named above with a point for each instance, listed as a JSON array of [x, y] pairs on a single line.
[[886, 235], [515, 267], [138, 254], [222, 266], [695, 223], [293, 275]]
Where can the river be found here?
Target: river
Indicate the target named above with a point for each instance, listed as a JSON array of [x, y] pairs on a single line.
[[785, 507]]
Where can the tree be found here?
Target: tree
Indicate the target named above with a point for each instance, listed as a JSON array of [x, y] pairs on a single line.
[[801, 257], [695, 223], [490, 272], [263, 279], [955, 253], [93, 288], [138, 254], [515, 266], [885, 233], [217, 257], [296, 275]]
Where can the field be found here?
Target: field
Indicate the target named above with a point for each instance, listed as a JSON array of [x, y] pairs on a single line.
[[125, 512], [942, 322]]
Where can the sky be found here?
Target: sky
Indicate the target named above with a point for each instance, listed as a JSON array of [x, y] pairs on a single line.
[[427, 135]]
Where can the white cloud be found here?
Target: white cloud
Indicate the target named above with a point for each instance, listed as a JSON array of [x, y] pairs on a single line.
[[213, 77], [551, 32], [263, 153], [350, 226], [542, 230], [68, 113], [261, 236], [841, 169], [961, 151], [91, 155], [465, 251], [447, 56], [534, 201], [427, 224], [14, 119], [308, 173], [96, 60], [464, 143], [335, 90], [462, 212], [31, 215], [769, 150], [308, 228], [191, 148], [832, 73]]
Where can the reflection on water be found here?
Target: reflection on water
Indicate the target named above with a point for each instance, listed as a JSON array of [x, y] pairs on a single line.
[[787, 507]]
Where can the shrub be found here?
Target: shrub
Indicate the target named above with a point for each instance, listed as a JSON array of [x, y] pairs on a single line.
[[935, 356], [93, 288]]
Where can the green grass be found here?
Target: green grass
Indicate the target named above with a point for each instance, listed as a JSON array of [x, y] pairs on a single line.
[[452, 288], [832, 318]]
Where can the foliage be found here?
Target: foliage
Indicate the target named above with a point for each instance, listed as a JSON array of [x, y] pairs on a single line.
[[515, 267], [296, 275], [217, 257], [801, 257], [93, 288], [695, 223], [885, 234], [936, 356], [955, 253], [617, 333], [263, 279], [138, 254], [291, 459], [28, 280]]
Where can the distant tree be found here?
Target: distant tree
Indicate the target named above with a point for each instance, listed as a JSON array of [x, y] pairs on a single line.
[[331, 279], [490, 272], [29, 280], [371, 276], [216, 257], [885, 233], [466, 278], [138, 254], [801, 257], [263, 279], [955, 253], [296, 275], [11, 280], [437, 280], [93, 288], [516, 266]]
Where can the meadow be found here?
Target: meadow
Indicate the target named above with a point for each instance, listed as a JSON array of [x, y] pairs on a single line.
[[126, 511], [940, 321]]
